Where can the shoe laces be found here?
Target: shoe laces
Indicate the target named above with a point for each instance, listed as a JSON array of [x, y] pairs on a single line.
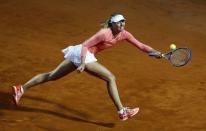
[[20, 91]]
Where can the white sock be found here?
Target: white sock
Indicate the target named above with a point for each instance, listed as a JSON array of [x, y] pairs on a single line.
[[121, 111], [22, 90]]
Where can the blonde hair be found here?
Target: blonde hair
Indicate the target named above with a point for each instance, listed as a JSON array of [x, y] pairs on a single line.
[[107, 23]]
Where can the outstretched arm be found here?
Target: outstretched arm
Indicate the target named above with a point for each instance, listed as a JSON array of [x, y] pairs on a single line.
[[131, 39]]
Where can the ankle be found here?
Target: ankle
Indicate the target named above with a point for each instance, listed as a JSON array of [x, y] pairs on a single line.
[[22, 89], [121, 111]]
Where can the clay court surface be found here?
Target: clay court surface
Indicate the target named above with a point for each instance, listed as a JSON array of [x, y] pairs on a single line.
[[32, 34]]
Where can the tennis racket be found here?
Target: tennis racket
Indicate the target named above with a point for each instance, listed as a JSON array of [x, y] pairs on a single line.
[[178, 57]]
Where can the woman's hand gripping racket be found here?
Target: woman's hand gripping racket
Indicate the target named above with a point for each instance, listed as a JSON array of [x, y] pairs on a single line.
[[178, 57]]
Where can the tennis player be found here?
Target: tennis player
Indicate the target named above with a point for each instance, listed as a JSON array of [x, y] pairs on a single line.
[[81, 57]]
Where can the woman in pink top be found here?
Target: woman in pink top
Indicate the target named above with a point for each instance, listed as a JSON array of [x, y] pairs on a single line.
[[82, 57]]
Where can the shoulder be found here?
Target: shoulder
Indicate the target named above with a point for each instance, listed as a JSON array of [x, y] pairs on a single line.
[[126, 34], [104, 31]]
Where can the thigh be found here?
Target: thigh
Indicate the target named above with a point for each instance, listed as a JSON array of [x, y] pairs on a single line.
[[63, 69], [98, 70]]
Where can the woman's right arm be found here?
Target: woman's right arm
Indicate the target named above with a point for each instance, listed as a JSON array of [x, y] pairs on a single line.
[[131, 39]]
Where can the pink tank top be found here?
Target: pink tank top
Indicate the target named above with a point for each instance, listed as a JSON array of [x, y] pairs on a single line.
[[104, 39]]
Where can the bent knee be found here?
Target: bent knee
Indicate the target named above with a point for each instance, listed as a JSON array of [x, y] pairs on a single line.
[[110, 78]]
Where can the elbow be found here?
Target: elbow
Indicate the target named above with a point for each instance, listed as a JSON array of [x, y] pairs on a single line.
[[84, 50]]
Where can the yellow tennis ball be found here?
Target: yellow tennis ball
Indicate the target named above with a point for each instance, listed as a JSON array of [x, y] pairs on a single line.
[[172, 46]]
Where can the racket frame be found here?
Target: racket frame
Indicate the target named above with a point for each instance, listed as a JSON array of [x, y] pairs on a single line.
[[168, 55]]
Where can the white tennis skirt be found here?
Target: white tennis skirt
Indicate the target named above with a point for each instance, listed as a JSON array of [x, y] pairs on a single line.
[[73, 53]]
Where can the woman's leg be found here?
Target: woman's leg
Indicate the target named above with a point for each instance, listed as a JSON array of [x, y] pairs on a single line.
[[61, 70], [100, 71]]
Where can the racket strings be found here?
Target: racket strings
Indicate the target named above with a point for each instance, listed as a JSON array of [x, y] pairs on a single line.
[[180, 57]]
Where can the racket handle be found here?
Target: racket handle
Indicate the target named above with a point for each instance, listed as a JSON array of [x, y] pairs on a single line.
[[155, 54], [152, 54]]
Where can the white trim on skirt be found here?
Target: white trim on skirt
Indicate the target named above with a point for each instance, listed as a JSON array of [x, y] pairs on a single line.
[[73, 53]]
